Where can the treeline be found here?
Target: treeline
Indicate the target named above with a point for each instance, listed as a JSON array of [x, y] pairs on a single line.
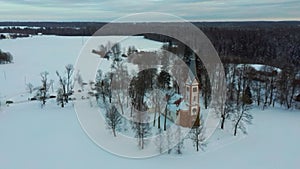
[[277, 47], [274, 46], [52, 28], [96, 25], [264, 87], [52, 24], [61, 31], [5, 57], [268, 85], [269, 43], [247, 86]]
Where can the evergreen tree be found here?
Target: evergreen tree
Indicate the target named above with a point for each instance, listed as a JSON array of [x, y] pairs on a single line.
[[164, 79], [247, 96]]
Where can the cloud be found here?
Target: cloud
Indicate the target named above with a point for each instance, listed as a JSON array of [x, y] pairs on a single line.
[[107, 10]]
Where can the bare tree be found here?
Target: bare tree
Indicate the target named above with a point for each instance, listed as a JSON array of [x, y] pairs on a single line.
[[257, 88], [121, 76], [240, 112], [62, 96], [158, 100], [43, 91], [169, 139], [51, 84], [159, 141], [109, 89], [228, 110], [69, 73], [98, 85], [66, 87], [141, 127], [30, 87], [242, 117], [169, 95], [179, 139], [287, 86], [80, 80], [113, 119], [197, 135]]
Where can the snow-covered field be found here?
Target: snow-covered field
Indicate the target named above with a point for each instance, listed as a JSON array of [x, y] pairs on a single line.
[[52, 138]]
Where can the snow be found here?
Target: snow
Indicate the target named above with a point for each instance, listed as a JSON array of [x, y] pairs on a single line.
[[52, 138], [32, 137], [51, 53], [259, 67]]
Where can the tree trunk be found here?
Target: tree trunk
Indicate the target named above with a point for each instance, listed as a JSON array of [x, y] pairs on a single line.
[[158, 121], [154, 120], [266, 94], [258, 95], [165, 121], [197, 144], [235, 130], [237, 123], [121, 105], [131, 109], [222, 121], [271, 92], [114, 132], [142, 140], [206, 100]]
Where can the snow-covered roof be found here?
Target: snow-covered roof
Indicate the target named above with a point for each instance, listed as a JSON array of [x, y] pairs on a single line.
[[175, 97], [183, 106], [173, 108]]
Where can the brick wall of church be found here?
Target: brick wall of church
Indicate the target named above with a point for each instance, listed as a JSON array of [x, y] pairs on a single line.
[[186, 119]]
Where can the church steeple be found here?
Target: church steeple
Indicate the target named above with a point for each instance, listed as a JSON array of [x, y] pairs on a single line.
[[193, 67], [192, 76]]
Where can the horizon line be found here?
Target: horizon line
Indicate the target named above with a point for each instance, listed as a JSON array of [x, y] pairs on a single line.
[[193, 21]]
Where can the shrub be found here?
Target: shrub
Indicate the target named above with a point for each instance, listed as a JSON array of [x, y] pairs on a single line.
[[5, 57]]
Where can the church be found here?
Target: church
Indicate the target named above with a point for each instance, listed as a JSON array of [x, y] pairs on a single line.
[[188, 110]]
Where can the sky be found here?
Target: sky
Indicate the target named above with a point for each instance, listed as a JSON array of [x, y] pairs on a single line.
[[109, 10]]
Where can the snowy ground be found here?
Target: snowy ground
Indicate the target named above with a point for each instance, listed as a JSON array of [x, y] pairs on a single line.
[[34, 138], [48, 138], [50, 53]]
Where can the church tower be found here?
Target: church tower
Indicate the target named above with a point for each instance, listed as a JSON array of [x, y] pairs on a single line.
[[192, 91], [187, 117]]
